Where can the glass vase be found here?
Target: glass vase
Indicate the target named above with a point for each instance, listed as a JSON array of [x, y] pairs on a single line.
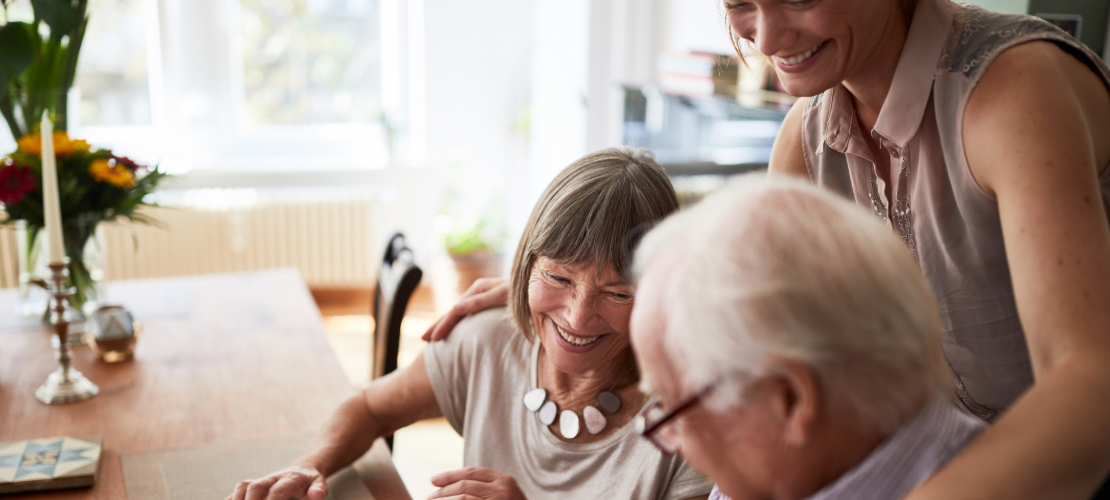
[[86, 272]]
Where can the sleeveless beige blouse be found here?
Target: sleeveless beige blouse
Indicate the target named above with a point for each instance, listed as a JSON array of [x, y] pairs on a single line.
[[947, 220]]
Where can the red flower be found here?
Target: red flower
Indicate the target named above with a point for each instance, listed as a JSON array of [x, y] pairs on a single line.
[[15, 182], [127, 162]]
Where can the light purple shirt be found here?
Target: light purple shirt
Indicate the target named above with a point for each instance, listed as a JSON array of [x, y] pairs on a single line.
[[909, 456]]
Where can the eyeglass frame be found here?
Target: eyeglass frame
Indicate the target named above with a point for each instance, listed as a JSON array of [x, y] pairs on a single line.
[[649, 431]]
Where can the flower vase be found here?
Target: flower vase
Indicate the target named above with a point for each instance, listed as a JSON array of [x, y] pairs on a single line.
[[86, 270]]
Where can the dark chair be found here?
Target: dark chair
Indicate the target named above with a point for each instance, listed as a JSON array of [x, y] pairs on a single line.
[[397, 279]]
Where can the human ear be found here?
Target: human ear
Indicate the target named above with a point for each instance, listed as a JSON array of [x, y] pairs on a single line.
[[797, 400]]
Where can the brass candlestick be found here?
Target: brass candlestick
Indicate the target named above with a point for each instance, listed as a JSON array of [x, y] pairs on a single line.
[[65, 385]]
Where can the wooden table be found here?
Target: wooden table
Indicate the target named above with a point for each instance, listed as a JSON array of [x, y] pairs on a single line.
[[221, 359]]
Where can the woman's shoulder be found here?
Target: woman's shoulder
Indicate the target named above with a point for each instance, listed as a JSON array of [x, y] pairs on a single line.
[[492, 321], [489, 330]]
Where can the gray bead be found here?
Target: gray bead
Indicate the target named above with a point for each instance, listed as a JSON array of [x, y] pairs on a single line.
[[609, 402]]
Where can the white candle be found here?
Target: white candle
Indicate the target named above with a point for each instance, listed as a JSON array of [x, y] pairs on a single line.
[[51, 208]]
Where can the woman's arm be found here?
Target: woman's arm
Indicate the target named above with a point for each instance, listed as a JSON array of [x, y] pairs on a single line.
[[380, 408], [1032, 131], [786, 154]]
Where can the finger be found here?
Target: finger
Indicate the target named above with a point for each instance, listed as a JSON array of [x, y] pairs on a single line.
[[466, 488], [455, 497], [480, 285], [318, 490], [428, 334], [240, 490], [496, 294], [470, 473], [259, 488], [445, 324], [288, 487]]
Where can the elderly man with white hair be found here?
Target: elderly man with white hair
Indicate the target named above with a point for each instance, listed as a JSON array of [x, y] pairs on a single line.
[[793, 347]]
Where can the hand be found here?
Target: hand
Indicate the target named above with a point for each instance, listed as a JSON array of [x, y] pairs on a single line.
[[295, 482], [473, 483], [483, 294]]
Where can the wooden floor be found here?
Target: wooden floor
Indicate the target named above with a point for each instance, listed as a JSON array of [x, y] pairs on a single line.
[[421, 450]]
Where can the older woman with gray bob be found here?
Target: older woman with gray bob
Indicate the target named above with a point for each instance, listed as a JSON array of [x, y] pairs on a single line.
[[544, 393], [808, 335]]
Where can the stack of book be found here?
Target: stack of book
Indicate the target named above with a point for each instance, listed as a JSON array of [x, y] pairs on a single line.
[[698, 74]]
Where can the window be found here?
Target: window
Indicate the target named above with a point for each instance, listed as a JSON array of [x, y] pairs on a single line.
[[113, 83], [310, 62], [241, 85]]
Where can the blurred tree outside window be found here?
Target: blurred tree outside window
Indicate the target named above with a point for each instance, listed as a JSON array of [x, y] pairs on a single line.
[[112, 71], [310, 61], [238, 85]]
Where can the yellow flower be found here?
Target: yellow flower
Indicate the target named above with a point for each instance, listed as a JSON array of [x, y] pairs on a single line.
[[111, 172], [30, 144], [63, 145]]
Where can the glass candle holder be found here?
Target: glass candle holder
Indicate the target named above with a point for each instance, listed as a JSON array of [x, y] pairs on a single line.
[[112, 334]]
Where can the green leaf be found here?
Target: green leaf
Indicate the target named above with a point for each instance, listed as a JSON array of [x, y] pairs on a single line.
[[60, 15], [15, 52]]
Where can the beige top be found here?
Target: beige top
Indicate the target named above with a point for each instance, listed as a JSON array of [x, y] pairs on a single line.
[[948, 221], [479, 375]]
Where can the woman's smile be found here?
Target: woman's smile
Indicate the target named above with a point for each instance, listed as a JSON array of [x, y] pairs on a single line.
[[794, 63], [580, 313], [573, 342]]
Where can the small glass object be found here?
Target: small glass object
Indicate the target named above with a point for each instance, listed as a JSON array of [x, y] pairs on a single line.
[[112, 334]]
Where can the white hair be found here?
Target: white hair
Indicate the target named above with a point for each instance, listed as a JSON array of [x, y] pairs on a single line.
[[779, 267]]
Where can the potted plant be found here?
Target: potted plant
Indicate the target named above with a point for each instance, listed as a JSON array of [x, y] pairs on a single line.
[[475, 250]]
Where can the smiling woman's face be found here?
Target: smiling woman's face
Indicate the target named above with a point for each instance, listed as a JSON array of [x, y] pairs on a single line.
[[580, 314], [814, 45]]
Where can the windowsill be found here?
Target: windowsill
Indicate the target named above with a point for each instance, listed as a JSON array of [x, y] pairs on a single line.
[[230, 179]]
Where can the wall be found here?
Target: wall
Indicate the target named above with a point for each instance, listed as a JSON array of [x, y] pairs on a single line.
[[1095, 13], [695, 25], [478, 77], [1007, 6]]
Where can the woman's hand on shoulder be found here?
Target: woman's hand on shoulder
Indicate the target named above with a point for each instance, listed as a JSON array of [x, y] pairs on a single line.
[[474, 483], [483, 294], [295, 482]]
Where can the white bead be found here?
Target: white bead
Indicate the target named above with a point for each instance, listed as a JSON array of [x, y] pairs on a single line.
[[534, 399], [568, 424]]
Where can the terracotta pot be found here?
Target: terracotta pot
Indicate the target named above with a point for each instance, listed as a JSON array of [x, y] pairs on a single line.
[[472, 266]]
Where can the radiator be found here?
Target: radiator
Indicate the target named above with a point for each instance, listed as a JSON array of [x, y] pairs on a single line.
[[327, 234]]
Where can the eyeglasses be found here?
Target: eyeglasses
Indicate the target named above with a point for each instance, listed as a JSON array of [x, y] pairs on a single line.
[[659, 426]]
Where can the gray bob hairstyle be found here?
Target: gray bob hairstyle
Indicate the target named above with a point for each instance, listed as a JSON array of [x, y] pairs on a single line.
[[593, 212], [774, 268]]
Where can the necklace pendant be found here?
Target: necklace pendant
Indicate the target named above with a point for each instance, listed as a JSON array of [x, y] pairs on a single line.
[[547, 413], [534, 399], [609, 402], [595, 420], [568, 424]]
